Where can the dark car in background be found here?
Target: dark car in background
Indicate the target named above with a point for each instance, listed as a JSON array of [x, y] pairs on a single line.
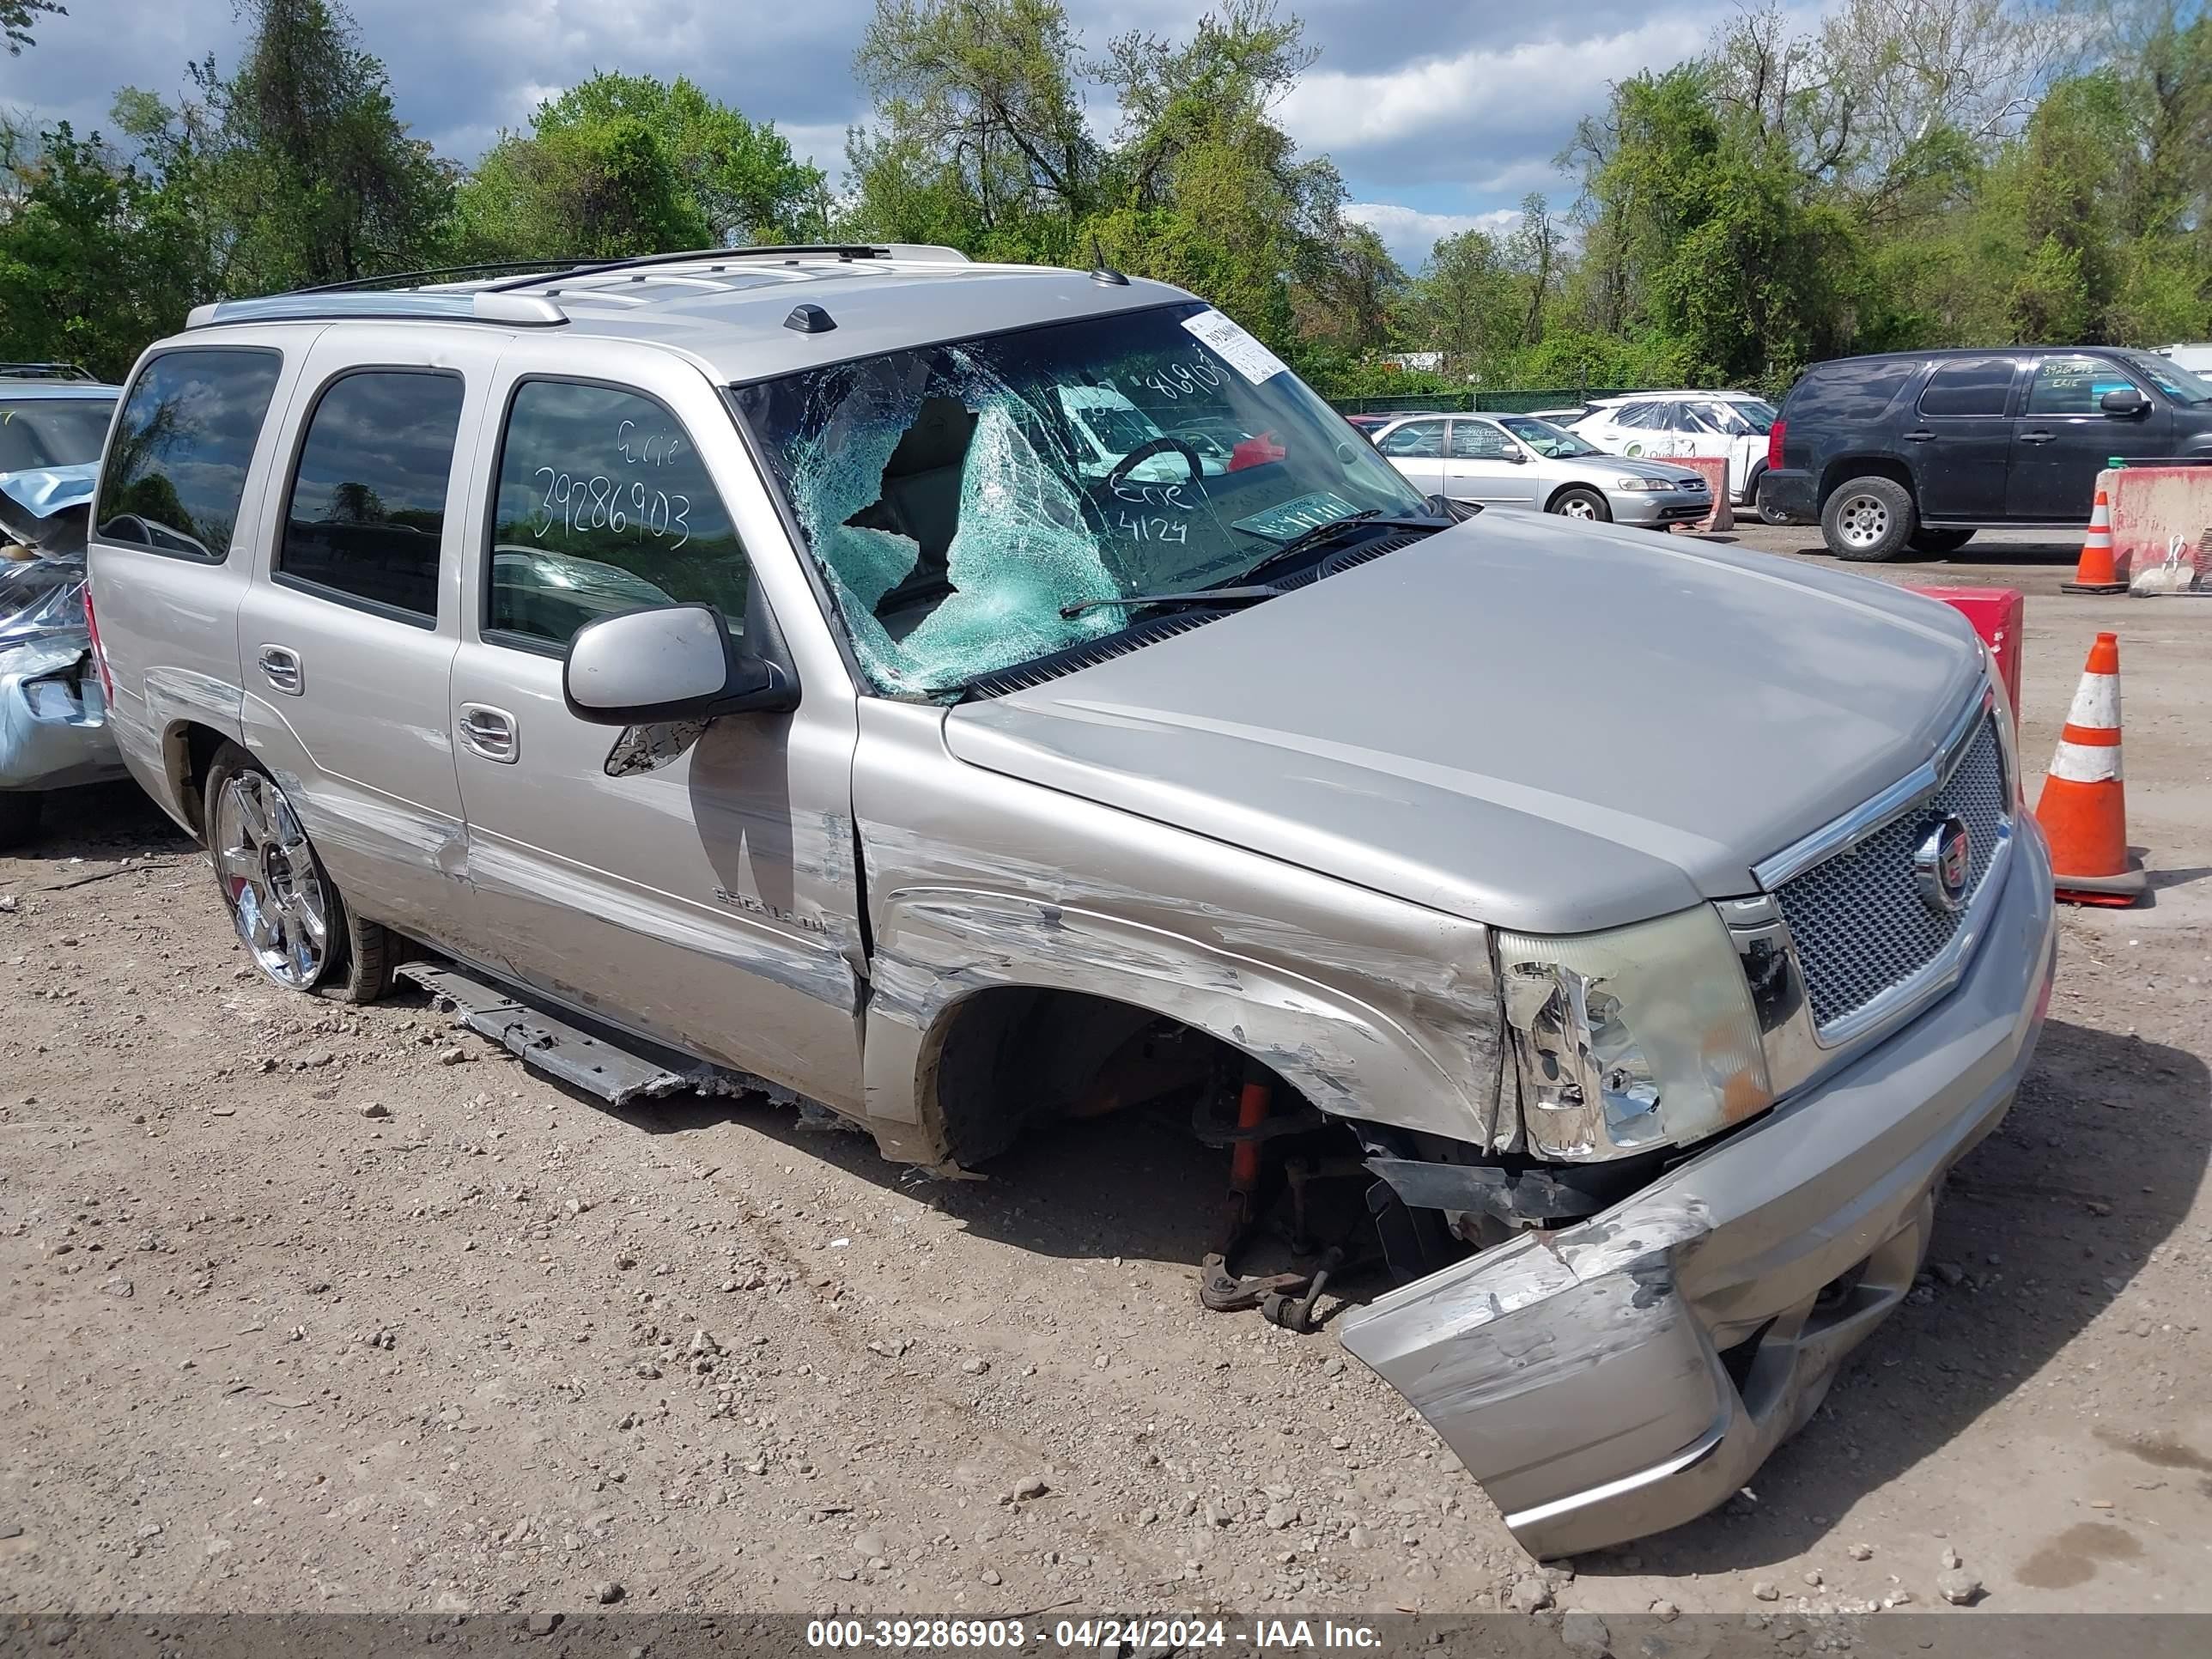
[[1918, 450]]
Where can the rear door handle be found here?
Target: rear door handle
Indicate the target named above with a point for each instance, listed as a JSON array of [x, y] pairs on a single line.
[[1921, 436], [488, 733], [2037, 437], [280, 666]]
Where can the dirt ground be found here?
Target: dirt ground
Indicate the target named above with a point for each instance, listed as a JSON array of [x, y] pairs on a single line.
[[312, 1308]]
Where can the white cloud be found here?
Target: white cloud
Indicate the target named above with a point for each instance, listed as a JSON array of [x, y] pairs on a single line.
[[1409, 234]]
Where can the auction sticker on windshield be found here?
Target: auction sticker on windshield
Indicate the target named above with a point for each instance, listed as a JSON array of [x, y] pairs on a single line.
[[1235, 347], [1298, 516]]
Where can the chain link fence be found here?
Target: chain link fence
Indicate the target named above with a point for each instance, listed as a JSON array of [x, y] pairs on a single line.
[[1475, 401]]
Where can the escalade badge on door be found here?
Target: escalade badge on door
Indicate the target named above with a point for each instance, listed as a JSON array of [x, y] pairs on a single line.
[[1943, 862]]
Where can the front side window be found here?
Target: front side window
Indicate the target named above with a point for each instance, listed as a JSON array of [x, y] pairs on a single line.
[[1554, 443], [604, 505], [51, 431], [957, 516], [2072, 386], [367, 516], [176, 471]]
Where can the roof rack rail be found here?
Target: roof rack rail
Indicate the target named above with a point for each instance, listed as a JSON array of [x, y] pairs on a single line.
[[421, 305], [46, 372], [918, 251], [481, 267]]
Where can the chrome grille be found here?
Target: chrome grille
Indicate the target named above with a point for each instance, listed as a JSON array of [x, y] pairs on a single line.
[[1857, 918]]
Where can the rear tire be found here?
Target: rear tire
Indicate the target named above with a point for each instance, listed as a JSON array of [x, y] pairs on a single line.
[[1577, 503], [1939, 541], [20, 812], [297, 927], [1868, 519]]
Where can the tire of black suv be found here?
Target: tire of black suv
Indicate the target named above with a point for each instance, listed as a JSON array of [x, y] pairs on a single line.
[[1925, 540], [1868, 519], [287, 913]]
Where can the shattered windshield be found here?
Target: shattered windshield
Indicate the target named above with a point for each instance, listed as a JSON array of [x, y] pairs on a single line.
[[956, 497]]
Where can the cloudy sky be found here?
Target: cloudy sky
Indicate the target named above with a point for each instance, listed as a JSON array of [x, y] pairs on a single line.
[[1441, 114]]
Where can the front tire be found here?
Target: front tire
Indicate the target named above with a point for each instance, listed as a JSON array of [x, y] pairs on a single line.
[[1868, 521], [1577, 502], [287, 913], [1939, 542], [20, 812]]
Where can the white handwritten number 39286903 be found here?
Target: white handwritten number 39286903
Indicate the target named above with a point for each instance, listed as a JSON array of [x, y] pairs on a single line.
[[598, 502]]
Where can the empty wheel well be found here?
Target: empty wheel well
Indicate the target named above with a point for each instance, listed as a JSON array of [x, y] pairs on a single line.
[[1009, 1057], [1840, 473], [189, 751]]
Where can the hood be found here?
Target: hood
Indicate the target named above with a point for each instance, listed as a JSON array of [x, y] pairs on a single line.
[[1597, 468], [1546, 726], [48, 507]]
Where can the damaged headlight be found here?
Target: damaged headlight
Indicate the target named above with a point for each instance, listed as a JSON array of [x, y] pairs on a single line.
[[1638, 1037]]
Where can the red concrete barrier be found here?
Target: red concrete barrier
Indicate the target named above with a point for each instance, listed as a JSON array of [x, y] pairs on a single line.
[[2151, 505], [1998, 615], [1715, 471]]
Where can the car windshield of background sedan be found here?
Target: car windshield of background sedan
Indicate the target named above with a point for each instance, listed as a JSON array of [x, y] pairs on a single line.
[[1554, 443], [52, 431], [959, 497]]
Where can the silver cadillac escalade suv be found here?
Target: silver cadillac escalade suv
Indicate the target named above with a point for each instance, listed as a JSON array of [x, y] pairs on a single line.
[[735, 664]]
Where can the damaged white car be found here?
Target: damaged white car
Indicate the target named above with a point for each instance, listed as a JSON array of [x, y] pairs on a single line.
[[740, 664]]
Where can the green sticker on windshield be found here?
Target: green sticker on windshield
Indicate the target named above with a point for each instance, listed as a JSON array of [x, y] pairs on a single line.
[[1298, 516]]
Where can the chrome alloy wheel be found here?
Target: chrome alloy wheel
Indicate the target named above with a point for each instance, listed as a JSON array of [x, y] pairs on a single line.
[[1578, 506], [277, 894], [1862, 520]]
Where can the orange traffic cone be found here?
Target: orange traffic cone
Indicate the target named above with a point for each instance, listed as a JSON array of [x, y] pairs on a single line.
[[2095, 573], [2084, 810]]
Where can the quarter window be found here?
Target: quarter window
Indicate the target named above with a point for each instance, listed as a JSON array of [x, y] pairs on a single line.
[[604, 505], [2072, 386], [176, 470], [368, 511], [1978, 386]]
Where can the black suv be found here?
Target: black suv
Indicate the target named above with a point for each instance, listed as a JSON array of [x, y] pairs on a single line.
[[1920, 449]]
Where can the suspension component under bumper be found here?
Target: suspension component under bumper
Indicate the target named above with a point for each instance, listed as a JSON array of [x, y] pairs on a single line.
[[1624, 1375]]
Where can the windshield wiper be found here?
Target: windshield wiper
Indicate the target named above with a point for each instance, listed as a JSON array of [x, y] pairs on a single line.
[[1368, 518], [1234, 595]]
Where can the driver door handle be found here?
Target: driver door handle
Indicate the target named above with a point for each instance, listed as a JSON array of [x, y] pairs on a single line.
[[488, 733], [2037, 437]]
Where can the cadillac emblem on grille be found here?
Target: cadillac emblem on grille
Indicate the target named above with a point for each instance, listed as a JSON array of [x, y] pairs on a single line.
[[1943, 862]]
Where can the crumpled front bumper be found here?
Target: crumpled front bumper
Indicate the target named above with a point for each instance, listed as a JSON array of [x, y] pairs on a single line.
[[1627, 1374], [53, 720]]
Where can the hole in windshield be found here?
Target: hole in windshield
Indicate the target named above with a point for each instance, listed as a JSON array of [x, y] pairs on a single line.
[[957, 498]]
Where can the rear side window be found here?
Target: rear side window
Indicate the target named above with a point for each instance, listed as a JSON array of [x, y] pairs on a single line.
[[176, 470], [1978, 385], [367, 508], [603, 506], [2072, 386], [1855, 389], [1414, 440]]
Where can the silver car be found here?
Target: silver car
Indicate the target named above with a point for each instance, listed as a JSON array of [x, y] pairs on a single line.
[[729, 667], [1520, 461], [53, 418]]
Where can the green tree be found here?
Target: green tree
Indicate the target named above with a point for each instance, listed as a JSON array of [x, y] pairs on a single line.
[[597, 190], [296, 168]]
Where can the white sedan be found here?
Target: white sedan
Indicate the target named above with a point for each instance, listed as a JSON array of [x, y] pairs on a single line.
[[1666, 423]]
